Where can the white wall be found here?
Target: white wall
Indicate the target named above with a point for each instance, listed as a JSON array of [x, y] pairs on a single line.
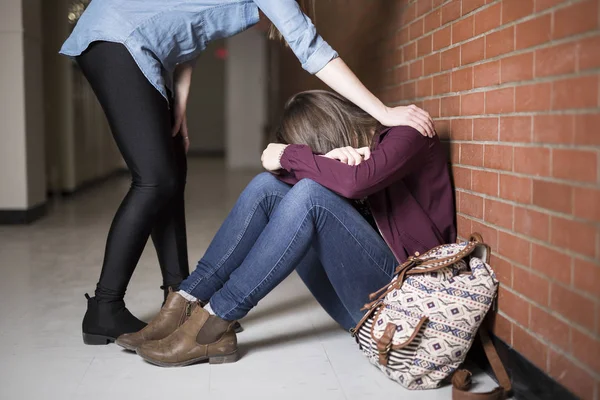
[[246, 99]]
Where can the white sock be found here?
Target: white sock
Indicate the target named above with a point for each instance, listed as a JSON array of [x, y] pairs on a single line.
[[208, 308], [187, 296]]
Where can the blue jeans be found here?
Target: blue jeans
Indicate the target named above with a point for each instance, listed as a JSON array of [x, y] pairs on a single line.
[[274, 229]]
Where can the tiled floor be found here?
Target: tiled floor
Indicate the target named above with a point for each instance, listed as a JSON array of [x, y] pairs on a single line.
[[290, 349]]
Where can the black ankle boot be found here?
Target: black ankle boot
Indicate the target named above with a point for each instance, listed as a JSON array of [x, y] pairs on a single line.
[[105, 321], [168, 289]]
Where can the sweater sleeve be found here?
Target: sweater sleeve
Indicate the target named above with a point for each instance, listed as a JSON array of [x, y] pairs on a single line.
[[400, 152]]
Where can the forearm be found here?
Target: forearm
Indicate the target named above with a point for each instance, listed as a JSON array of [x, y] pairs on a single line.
[[338, 76], [183, 80]]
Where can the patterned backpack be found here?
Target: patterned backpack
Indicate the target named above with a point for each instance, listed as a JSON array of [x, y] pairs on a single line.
[[419, 330]]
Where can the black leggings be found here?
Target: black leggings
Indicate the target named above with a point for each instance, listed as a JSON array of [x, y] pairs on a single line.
[[141, 123]]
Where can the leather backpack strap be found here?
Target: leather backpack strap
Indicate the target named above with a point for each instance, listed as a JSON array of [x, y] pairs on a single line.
[[461, 380]]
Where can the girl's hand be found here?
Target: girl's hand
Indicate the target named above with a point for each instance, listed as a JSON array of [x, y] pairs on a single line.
[[349, 155], [411, 116], [183, 80], [271, 156]]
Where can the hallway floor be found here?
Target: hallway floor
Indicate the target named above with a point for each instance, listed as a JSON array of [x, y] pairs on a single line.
[[290, 348]]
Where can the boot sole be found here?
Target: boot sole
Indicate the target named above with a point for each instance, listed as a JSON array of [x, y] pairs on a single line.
[[94, 340], [222, 359]]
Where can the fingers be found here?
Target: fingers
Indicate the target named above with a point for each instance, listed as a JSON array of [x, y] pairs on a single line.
[[424, 120], [365, 152]]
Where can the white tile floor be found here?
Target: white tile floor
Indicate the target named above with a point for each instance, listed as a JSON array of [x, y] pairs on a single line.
[[290, 349]]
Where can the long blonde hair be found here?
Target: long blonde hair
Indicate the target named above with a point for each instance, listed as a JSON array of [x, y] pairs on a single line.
[[307, 7]]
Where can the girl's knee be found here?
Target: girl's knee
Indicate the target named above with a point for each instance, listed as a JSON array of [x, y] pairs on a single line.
[[265, 182]]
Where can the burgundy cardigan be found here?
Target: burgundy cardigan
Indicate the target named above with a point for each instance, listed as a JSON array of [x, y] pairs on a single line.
[[406, 182]]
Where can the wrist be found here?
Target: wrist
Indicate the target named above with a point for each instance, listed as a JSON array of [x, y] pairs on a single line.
[[281, 155]]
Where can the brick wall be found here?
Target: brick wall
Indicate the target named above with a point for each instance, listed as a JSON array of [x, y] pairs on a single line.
[[513, 86]]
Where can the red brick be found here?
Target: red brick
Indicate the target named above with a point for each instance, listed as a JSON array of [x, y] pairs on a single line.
[[551, 263], [575, 165], [534, 32], [586, 203], [553, 196], [471, 205], [515, 129], [485, 128], [577, 18], [454, 153], [450, 58], [461, 129], [589, 56], [530, 347], [415, 30], [555, 60], [473, 104], [432, 106], [500, 101], [450, 106], [437, 3], [487, 74], [574, 235], [473, 51], [502, 269], [401, 74], [441, 84], [513, 306], [568, 374], [515, 188], [442, 127], [488, 19], [424, 46], [433, 20], [462, 30], [442, 38], [463, 225], [532, 223], [498, 157], [514, 248], [450, 11], [424, 87], [471, 154], [515, 9], [408, 14], [586, 349], [532, 161], [497, 213], [536, 97], [409, 90], [586, 129], [490, 234], [416, 69], [586, 276], [544, 4], [532, 286], [502, 328], [409, 52], [550, 328], [485, 182], [517, 68], [573, 306], [462, 79], [470, 5], [432, 64], [401, 37], [500, 42], [423, 7], [553, 129], [462, 177]]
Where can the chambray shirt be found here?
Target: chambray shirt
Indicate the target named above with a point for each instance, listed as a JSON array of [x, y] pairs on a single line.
[[160, 34]]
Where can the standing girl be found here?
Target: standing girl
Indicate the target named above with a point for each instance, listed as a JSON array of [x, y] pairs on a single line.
[[138, 57]]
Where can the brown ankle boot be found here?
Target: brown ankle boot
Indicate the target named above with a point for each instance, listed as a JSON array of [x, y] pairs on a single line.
[[172, 315], [202, 337]]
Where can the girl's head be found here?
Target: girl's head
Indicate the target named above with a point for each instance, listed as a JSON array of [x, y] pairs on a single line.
[[308, 8], [325, 121]]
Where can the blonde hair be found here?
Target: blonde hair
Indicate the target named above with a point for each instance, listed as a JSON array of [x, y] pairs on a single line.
[[307, 7]]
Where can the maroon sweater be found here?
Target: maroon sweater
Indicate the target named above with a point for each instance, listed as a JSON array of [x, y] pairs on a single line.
[[406, 182]]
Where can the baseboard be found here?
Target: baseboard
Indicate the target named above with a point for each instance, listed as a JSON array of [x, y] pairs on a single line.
[[20, 217], [528, 381]]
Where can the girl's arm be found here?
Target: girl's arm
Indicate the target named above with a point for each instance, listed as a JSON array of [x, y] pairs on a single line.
[[402, 150]]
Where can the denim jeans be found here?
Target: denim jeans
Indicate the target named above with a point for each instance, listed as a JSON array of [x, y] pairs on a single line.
[[274, 229]]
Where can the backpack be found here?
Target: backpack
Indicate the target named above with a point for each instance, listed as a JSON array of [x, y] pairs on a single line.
[[419, 328]]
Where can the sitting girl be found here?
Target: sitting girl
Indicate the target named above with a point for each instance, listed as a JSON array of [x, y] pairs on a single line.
[[343, 204]]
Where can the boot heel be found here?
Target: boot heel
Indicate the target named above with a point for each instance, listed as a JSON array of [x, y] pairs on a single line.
[[229, 358], [96, 339]]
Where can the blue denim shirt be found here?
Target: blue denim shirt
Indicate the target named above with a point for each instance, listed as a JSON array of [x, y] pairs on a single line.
[[160, 34]]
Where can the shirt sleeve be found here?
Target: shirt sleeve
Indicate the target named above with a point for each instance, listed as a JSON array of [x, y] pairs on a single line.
[[299, 32], [402, 150]]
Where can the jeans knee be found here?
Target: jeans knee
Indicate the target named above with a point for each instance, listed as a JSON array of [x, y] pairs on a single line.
[[265, 183], [306, 191]]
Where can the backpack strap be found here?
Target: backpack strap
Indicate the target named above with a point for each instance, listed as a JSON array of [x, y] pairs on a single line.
[[461, 380]]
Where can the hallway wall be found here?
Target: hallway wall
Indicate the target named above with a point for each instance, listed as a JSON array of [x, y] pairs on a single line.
[[513, 86]]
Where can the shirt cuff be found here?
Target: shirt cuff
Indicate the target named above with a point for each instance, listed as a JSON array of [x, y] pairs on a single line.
[[320, 58], [287, 158]]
